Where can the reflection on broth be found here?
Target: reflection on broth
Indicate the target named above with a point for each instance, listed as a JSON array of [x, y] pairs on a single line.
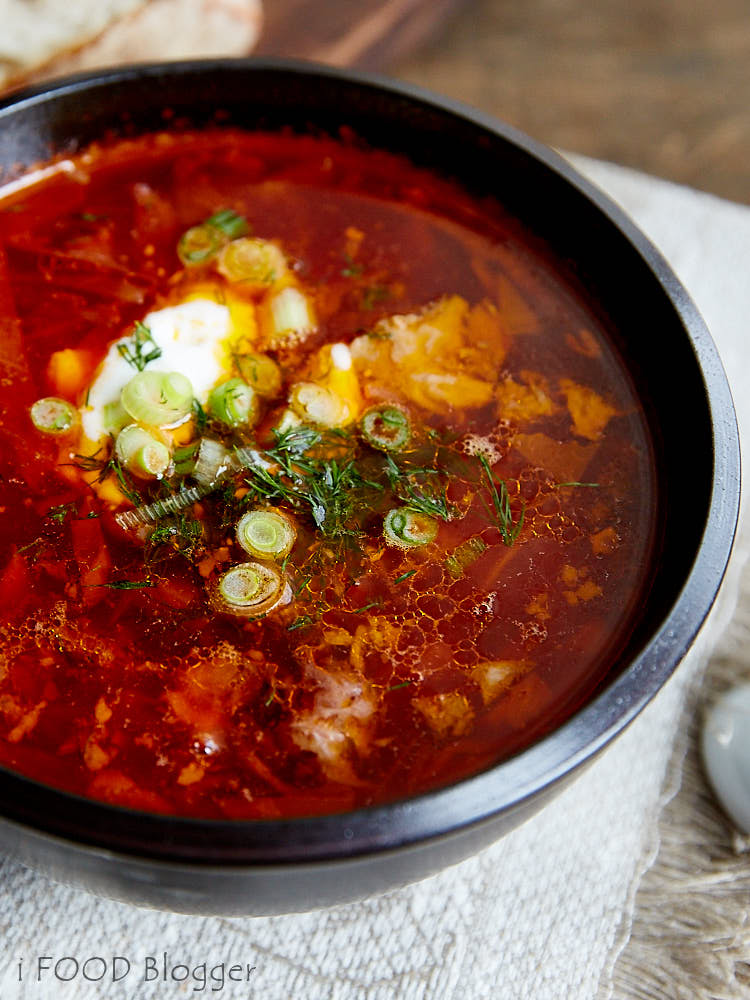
[[318, 486]]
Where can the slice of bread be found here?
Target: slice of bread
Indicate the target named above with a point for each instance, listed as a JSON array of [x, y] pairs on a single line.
[[43, 38]]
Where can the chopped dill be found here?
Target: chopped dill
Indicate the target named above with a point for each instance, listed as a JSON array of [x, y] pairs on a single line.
[[427, 498], [126, 584], [139, 353], [125, 483], [304, 585], [397, 687], [103, 467], [404, 576], [559, 486], [377, 603], [503, 515], [181, 536]]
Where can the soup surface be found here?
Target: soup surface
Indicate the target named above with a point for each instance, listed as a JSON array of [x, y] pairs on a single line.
[[319, 487]]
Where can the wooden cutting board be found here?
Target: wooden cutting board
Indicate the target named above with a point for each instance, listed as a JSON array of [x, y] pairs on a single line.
[[370, 35]]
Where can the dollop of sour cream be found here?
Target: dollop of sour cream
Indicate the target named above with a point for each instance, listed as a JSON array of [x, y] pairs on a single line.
[[192, 339]]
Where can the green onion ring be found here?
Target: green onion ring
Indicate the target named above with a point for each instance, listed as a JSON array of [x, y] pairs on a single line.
[[266, 534], [408, 529]]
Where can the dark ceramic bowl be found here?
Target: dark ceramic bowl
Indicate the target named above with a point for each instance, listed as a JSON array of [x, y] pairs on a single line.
[[280, 866]]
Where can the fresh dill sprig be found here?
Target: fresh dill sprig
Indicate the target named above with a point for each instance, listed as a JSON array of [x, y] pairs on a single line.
[[377, 603], [415, 489], [181, 536], [398, 687], [96, 462], [503, 515], [142, 348], [125, 482], [559, 486]]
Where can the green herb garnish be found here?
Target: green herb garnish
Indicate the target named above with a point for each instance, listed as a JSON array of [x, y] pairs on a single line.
[[404, 576], [503, 515], [464, 555], [229, 223], [139, 353], [201, 417], [377, 603]]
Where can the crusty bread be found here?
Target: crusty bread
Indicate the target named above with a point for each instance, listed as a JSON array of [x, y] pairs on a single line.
[[42, 38]]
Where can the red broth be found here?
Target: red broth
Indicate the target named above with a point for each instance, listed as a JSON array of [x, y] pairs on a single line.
[[386, 668]]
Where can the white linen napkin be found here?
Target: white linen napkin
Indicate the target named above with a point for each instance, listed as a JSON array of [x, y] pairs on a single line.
[[540, 915]]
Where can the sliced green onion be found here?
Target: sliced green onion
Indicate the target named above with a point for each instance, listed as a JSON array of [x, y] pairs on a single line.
[[141, 453], [229, 223], [408, 529], [386, 427], [213, 462], [199, 245], [234, 403], [318, 405], [260, 372], [160, 399], [266, 534], [115, 417], [53, 416], [290, 313], [254, 263], [251, 590], [150, 513], [464, 555]]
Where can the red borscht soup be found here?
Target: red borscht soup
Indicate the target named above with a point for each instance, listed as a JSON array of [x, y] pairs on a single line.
[[320, 484]]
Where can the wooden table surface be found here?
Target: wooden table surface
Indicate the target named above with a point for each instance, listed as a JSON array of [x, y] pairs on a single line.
[[660, 85]]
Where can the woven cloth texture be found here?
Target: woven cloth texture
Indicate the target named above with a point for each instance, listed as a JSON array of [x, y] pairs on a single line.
[[543, 914]]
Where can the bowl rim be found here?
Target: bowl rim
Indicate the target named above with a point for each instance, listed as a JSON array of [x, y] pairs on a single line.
[[509, 784]]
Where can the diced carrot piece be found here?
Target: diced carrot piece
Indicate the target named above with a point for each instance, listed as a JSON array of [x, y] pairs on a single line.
[[69, 371]]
